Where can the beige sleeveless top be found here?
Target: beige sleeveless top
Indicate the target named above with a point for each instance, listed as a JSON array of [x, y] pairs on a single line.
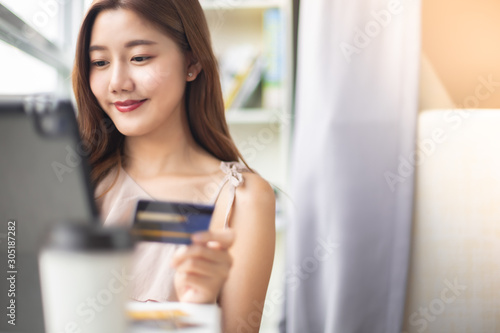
[[152, 276]]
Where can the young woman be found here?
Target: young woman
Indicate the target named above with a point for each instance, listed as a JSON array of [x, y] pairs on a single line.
[[147, 67]]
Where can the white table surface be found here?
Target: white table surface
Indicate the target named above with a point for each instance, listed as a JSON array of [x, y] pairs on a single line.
[[206, 315]]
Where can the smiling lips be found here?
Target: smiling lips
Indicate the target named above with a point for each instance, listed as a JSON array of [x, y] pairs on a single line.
[[129, 105]]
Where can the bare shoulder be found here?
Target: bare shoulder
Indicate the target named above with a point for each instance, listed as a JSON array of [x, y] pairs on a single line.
[[255, 189], [254, 200]]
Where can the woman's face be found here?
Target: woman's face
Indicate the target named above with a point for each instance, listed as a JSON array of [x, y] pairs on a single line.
[[137, 73]]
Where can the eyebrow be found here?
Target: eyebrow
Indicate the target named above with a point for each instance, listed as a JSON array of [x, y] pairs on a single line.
[[130, 44]]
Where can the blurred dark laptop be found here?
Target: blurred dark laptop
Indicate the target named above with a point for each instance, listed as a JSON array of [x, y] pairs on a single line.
[[44, 179]]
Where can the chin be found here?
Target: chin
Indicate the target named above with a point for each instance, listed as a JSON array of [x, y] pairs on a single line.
[[130, 130]]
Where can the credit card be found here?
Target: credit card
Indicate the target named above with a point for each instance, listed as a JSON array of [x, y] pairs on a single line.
[[170, 222]]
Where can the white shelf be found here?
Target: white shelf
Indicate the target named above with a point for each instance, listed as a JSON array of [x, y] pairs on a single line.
[[261, 134], [239, 4], [252, 116]]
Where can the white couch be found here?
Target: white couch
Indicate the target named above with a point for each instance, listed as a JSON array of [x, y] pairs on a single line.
[[454, 276]]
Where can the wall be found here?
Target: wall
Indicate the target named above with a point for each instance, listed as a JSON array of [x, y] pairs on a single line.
[[461, 39]]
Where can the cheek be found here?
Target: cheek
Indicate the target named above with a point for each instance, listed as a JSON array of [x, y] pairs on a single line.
[[97, 85], [155, 77]]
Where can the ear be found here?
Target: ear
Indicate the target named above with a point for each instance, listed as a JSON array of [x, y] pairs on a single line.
[[193, 67]]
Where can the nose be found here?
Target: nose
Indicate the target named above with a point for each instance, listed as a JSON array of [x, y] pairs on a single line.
[[121, 80]]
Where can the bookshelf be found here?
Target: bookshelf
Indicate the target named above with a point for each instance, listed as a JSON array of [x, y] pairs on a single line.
[[260, 129], [252, 41]]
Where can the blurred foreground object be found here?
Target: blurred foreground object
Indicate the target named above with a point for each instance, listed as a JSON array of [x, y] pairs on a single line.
[[84, 274], [357, 102], [454, 283]]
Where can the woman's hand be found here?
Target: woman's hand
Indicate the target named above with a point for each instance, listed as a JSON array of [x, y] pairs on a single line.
[[203, 267]]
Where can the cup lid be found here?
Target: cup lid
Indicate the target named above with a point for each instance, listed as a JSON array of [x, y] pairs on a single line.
[[87, 237]]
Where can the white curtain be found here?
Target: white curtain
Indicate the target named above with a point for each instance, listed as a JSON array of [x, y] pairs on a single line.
[[348, 239]]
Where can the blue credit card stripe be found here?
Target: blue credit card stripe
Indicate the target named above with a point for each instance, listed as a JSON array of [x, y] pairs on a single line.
[[190, 226], [173, 240], [181, 208]]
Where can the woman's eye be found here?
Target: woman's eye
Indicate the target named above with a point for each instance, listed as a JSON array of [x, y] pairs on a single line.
[[140, 59], [100, 63]]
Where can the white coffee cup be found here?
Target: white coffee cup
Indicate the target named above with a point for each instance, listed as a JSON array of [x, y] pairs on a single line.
[[84, 279]]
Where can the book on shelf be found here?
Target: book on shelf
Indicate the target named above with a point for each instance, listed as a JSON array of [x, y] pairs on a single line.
[[247, 85], [274, 39], [242, 68]]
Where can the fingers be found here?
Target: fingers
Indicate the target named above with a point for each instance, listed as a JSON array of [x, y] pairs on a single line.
[[222, 239], [193, 254], [196, 289], [202, 267]]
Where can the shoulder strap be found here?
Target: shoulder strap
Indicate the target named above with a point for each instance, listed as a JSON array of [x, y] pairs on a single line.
[[234, 178]]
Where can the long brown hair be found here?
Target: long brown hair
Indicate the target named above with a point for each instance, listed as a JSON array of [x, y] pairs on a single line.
[[184, 22]]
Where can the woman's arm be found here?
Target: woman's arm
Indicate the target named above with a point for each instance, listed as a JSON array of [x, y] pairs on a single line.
[[253, 221], [233, 264]]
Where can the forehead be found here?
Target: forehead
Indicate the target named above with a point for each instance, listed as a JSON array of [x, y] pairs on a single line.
[[118, 25]]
